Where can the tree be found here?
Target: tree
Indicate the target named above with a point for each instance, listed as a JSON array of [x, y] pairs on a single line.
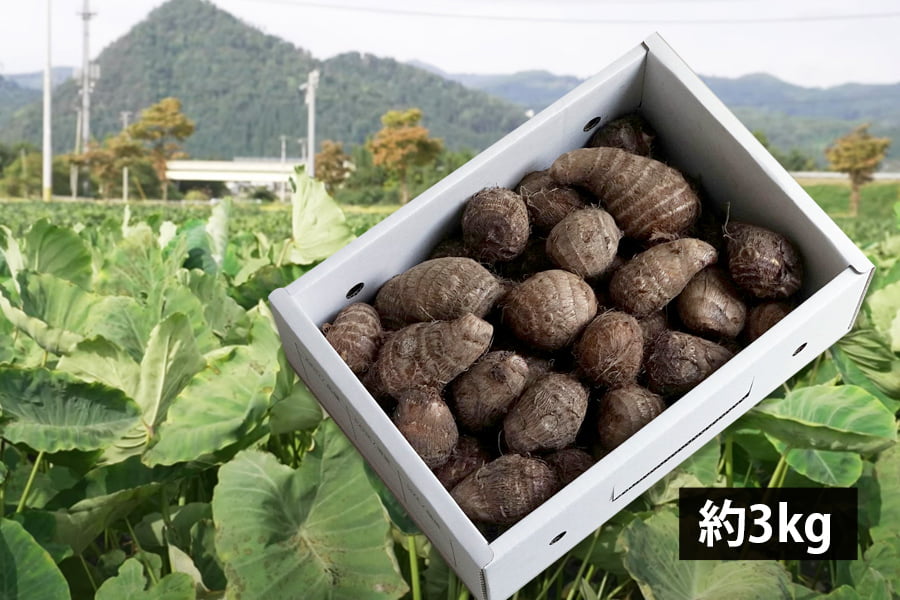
[[107, 161], [794, 160], [858, 154], [403, 143], [333, 166], [163, 127]]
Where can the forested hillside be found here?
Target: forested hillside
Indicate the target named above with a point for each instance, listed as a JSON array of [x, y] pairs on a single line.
[[12, 98], [241, 87]]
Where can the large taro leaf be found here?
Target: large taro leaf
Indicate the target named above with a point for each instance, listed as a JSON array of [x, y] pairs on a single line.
[[263, 281], [51, 339], [851, 374], [886, 520], [223, 316], [822, 417], [57, 251], [829, 467], [872, 354], [320, 529], [131, 583], [318, 226], [883, 557], [51, 411], [27, 571], [884, 308], [651, 557], [98, 359], [219, 406]]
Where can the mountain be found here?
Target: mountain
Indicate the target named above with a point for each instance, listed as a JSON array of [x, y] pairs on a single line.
[[35, 81], [241, 88], [13, 97]]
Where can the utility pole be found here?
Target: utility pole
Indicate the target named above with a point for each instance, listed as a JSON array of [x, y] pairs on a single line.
[[126, 116], [48, 121], [283, 160], [309, 87], [87, 82]]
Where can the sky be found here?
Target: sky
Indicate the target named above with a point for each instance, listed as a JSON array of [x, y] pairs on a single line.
[[814, 43]]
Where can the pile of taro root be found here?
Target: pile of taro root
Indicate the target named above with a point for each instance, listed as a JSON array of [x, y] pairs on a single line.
[[562, 317]]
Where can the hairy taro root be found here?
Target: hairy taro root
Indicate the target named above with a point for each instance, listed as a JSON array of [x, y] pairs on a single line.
[[623, 411], [439, 289], [547, 201], [647, 198], [631, 133], [569, 463], [762, 262], [763, 317], [495, 225], [427, 424], [356, 335], [506, 489], [654, 277], [547, 416], [430, 354], [549, 309], [679, 361], [467, 456], [711, 305], [483, 394], [610, 349], [584, 242]]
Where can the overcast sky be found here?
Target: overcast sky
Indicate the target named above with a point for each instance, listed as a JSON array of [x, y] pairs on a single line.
[[807, 42]]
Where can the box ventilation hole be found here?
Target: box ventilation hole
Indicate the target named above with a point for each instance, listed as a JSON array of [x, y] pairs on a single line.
[[558, 537], [592, 123], [355, 290], [799, 349]]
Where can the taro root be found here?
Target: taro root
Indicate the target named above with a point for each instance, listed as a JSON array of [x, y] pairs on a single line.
[[451, 247], [711, 305], [623, 411], [647, 198], [549, 309], [483, 394], [547, 416], [505, 489], [652, 326], [679, 361], [439, 289], [762, 262], [631, 133], [533, 260], [654, 277], [610, 350], [467, 456], [585, 242], [430, 354], [763, 317], [547, 201], [427, 424], [495, 225], [356, 336], [569, 463]]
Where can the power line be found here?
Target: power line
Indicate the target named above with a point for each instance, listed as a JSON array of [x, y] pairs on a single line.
[[575, 20]]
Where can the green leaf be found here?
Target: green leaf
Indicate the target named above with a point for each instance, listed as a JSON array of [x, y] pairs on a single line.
[[397, 514], [217, 228], [51, 339], [319, 529], [100, 360], [821, 417], [220, 405], [264, 281], [318, 226], [42, 527], [224, 317], [27, 571], [882, 558], [53, 411], [884, 305], [57, 251], [131, 583], [851, 374], [298, 410], [12, 252], [651, 557], [874, 358], [886, 521], [828, 467]]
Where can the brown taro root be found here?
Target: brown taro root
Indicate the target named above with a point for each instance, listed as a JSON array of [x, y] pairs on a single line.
[[546, 200], [549, 309], [427, 424], [652, 326], [763, 317], [547, 416], [610, 350], [430, 354], [495, 225], [623, 411], [647, 198], [439, 289], [483, 394], [631, 133], [585, 242], [467, 456], [356, 336], [679, 361], [569, 463], [652, 278], [451, 247], [762, 262], [505, 489], [711, 305]]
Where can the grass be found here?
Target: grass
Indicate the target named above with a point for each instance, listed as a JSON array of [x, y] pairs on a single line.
[[876, 209]]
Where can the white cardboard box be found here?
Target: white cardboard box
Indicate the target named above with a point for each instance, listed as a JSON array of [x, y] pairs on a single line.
[[707, 143]]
